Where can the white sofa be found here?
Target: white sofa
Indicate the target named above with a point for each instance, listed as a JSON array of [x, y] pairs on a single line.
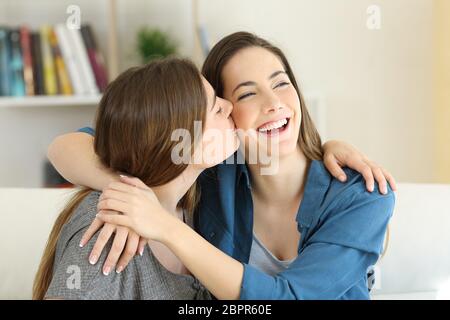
[[416, 266]]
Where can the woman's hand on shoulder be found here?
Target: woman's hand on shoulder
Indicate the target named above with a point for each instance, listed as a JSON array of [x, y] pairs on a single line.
[[338, 154]]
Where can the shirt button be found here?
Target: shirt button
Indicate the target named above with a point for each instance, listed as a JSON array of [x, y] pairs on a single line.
[[212, 234]]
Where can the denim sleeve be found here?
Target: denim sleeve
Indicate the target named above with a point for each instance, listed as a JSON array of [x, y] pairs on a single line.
[[87, 130], [335, 258]]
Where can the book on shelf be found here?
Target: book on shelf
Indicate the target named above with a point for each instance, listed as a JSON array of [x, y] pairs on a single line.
[[38, 72], [96, 59], [89, 85], [60, 67], [17, 88], [53, 60], [4, 63], [25, 42], [50, 81]]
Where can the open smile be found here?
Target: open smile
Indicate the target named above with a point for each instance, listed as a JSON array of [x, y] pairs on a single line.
[[275, 127]]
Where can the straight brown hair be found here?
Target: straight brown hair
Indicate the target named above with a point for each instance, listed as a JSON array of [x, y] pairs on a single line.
[[135, 119], [309, 138]]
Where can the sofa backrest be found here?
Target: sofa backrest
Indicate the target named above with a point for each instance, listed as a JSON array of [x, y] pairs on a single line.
[[27, 216], [418, 253], [417, 259]]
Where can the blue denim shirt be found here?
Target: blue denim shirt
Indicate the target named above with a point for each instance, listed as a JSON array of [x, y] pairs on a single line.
[[342, 228]]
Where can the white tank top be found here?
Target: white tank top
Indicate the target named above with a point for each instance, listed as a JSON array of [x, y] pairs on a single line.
[[262, 259]]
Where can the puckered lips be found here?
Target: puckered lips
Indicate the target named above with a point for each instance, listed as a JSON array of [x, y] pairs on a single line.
[[275, 127]]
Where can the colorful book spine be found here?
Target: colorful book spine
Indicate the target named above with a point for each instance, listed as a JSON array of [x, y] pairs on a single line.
[[38, 70], [25, 42], [5, 84], [50, 81], [61, 71], [95, 58], [16, 65], [68, 53], [83, 61]]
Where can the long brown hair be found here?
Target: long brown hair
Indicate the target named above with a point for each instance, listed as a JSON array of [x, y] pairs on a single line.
[[309, 138], [135, 119]]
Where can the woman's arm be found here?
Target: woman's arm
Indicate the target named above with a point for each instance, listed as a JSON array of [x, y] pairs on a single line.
[[219, 273], [333, 262], [337, 154], [74, 158]]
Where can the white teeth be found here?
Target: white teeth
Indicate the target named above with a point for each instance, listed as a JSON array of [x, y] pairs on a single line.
[[274, 125]]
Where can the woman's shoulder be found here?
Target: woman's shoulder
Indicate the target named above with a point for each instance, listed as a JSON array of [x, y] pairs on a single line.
[[87, 207], [83, 214], [354, 185], [352, 192], [349, 214]]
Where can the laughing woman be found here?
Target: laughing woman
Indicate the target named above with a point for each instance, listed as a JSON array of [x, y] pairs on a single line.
[[296, 234]]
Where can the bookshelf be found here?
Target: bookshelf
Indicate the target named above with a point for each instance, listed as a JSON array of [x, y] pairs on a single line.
[[28, 124], [83, 89], [49, 101]]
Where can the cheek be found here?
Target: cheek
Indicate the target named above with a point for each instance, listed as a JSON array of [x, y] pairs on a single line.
[[215, 128], [291, 99], [243, 117]]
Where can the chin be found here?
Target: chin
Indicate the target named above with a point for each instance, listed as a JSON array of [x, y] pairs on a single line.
[[228, 153], [285, 150]]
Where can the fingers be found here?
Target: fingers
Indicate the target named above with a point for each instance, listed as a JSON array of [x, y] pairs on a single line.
[[364, 169], [133, 181], [117, 195], [113, 204], [333, 167], [116, 219], [118, 245], [121, 186], [379, 176], [390, 179], [129, 252], [141, 247], [102, 239], [93, 228]]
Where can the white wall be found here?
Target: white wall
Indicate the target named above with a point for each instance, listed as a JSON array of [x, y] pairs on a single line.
[[377, 84], [25, 134]]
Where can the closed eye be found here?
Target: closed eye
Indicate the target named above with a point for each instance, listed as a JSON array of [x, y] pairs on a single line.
[[246, 95], [282, 84]]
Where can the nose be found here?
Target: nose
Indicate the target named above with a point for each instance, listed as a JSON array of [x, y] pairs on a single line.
[[272, 104], [227, 107]]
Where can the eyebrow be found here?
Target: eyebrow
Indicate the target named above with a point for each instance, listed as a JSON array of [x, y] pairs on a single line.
[[214, 101], [252, 83]]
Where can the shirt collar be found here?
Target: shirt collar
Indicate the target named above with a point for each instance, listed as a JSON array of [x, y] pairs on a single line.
[[244, 175], [317, 183]]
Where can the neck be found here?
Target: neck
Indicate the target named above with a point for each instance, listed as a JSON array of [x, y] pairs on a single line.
[[286, 185], [170, 194]]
